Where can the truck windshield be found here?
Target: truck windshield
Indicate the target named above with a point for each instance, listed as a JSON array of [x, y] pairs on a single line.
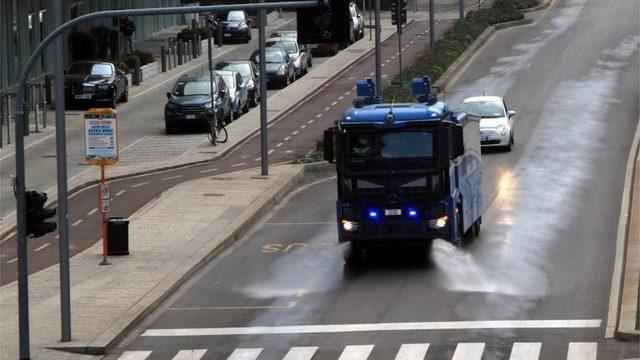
[[391, 145]]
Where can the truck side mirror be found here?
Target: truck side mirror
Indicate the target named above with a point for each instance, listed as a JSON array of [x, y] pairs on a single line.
[[458, 141], [327, 142]]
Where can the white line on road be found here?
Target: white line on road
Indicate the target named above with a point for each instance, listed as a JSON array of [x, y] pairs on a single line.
[[12, 261], [288, 151], [279, 144], [270, 152], [468, 351], [334, 103], [134, 355], [77, 223], [92, 212], [190, 354], [327, 109], [287, 138], [180, 73], [303, 126], [120, 192], [301, 353], [257, 159], [295, 133], [388, 61], [404, 326], [42, 246], [371, 73], [172, 177], [245, 354], [341, 97], [310, 121], [412, 352], [393, 57], [140, 184], [356, 352], [582, 351], [525, 351], [208, 170], [383, 65], [319, 115], [238, 164]]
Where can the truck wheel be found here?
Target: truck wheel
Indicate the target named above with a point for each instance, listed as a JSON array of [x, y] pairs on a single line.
[[354, 254]]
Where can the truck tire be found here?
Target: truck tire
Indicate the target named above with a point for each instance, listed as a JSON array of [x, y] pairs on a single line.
[[354, 254]]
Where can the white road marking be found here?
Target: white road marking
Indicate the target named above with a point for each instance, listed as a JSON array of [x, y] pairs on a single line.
[[140, 184], [404, 326], [120, 192], [208, 170], [279, 144], [327, 109], [172, 177], [245, 354], [303, 126], [134, 355], [525, 351], [12, 261], [288, 151], [287, 138], [412, 41], [468, 351], [92, 212], [347, 93], [57, 237], [412, 352], [42, 246], [383, 64], [403, 50], [300, 353], [190, 354], [334, 103], [270, 152], [371, 73], [310, 121], [77, 223], [387, 61], [180, 73], [257, 159], [341, 97], [397, 53], [238, 164], [356, 352], [393, 57], [295, 133], [582, 351], [319, 115]]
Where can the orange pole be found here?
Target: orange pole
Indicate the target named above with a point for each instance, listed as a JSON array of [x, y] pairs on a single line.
[[103, 217]]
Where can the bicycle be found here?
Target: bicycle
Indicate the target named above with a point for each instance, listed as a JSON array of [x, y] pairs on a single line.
[[216, 133]]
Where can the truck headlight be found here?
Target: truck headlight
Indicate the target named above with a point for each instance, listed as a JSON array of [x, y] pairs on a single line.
[[350, 226], [438, 223]]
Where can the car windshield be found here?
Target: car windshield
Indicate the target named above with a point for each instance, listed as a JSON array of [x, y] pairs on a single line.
[[235, 16], [289, 46], [190, 88], [271, 57], [486, 109], [91, 69], [372, 146], [243, 69]]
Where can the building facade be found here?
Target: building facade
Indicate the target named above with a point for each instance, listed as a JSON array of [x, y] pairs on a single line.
[[24, 23]]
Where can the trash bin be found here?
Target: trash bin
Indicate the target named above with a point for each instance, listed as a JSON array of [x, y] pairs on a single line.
[[118, 236]]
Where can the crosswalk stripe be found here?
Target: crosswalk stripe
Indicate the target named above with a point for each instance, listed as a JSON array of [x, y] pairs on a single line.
[[301, 353], [525, 351], [468, 351], [245, 354], [356, 352], [134, 355], [190, 354], [412, 352], [582, 351]]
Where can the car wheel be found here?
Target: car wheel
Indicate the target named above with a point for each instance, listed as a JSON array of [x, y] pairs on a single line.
[[229, 118], [509, 145], [114, 100], [355, 254], [169, 129], [245, 109], [125, 94], [310, 62]]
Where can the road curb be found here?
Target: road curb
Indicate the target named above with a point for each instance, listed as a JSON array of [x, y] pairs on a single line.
[[543, 5], [620, 326], [8, 230], [232, 233]]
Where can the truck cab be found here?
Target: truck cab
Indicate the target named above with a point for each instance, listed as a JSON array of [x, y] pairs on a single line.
[[407, 173]]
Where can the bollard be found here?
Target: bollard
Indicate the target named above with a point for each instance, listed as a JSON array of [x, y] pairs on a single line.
[[8, 118], [219, 36], [163, 59], [180, 53], [33, 97], [189, 50], [47, 88], [25, 118], [43, 105], [37, 116], [1, 118]]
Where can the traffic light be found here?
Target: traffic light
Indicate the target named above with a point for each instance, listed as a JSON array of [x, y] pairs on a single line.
[[330, 22], [398, 7], [37, 214]]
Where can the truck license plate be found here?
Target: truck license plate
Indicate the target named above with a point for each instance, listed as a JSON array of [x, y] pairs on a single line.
[[88, 96], [393, 212]]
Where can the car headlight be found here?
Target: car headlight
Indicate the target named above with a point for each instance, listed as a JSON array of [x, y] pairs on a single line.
[[103, 87], [281, 71], [350, 226], [438, 223], [171, 106], [502, 129]]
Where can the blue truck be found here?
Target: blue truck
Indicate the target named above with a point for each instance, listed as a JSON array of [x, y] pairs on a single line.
[[407, 173]]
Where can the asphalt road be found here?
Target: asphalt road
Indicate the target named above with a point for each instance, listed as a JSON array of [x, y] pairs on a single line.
[[289, 138], [536, 282]]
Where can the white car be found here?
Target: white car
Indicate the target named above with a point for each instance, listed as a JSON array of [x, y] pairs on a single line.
[[496, 121]]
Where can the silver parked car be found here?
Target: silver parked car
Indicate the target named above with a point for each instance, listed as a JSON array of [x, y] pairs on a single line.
[[496, 121], [290, 46]]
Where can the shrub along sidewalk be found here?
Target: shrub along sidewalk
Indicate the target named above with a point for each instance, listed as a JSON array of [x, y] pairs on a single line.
[[446, 50]]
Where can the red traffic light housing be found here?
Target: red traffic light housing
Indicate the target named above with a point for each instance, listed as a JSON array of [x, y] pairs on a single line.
[[37, 214], [330, 22]]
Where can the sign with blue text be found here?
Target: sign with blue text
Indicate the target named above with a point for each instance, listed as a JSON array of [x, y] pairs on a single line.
[[101, 136]]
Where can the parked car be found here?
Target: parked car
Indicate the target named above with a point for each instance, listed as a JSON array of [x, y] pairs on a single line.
[[290, 46], [357, 20], [95, 83], [496, 121], [235, 25], [294, 34], [237, 91], [190, 102], [280, 68], [250, 77]]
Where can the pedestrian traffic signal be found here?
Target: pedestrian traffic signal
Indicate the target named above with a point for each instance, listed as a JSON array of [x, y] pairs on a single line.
[[37, 214], [398, 12], [330, 22]]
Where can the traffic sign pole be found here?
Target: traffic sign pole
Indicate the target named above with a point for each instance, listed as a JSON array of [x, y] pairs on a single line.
[[103, 216]]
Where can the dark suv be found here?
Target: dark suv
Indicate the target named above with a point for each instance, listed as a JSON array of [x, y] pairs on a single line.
[[234, 25], [190, 102]]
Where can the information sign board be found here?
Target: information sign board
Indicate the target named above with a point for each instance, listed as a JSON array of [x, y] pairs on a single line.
[[101, 136]]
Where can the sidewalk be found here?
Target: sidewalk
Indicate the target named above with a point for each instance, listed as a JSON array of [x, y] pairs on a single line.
[[170, 239]]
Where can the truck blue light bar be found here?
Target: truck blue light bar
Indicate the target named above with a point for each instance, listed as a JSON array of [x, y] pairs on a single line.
[[366, 88], [421, 86]]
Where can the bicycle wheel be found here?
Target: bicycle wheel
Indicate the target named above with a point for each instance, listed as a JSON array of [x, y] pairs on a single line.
[[212, 134], [222, 135]]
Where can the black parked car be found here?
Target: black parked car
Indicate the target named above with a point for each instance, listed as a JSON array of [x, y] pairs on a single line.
[[95, 83], [235, 25], [250, 77], [280, 69], [190, 102]]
